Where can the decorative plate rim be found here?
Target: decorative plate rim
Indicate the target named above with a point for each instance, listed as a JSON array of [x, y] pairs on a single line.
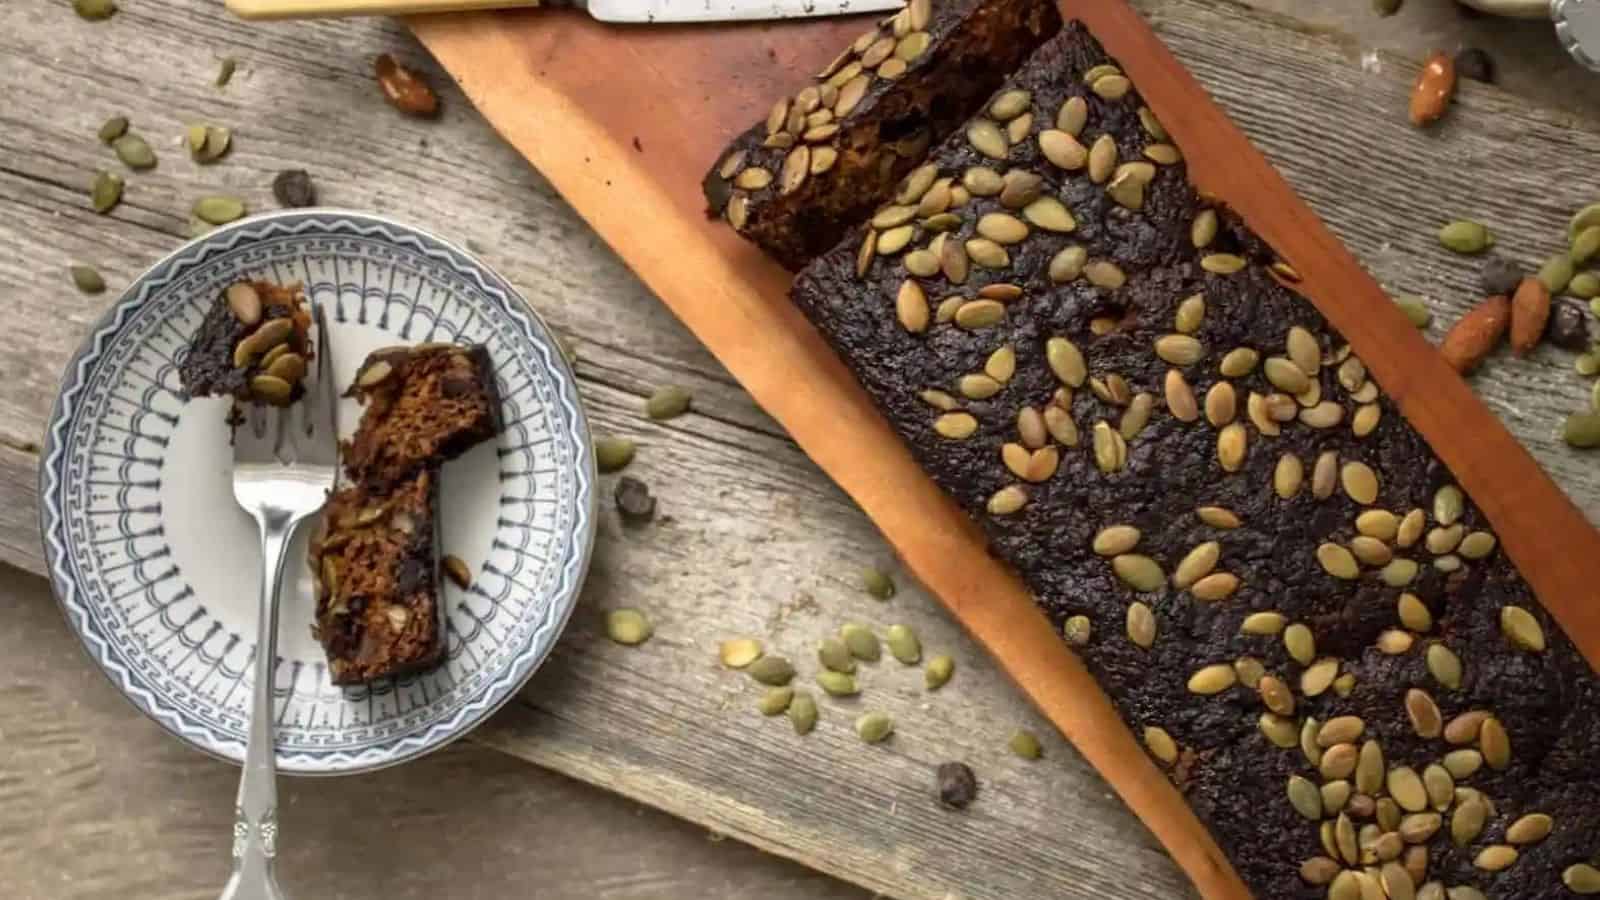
[[328, 220]]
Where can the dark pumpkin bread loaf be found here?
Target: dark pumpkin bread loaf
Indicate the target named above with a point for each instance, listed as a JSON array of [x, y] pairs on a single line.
[[373, 561], [253, 345], [1259, 559], [824, 158], [424, 405]]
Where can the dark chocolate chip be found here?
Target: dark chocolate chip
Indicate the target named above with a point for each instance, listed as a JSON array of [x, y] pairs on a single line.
[[957, 785], [1476, 64], [1500, 277], [634, 502], [411, 577], [1569, 326], [293, 188]]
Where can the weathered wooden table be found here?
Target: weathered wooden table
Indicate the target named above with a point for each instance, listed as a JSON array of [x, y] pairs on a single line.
[[94, 802]]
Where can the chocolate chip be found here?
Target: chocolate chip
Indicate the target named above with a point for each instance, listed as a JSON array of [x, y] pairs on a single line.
[[412, 574], [1500, 277], [293, 188], [633, 500], [1476, 64], [957, 785], [1569, 326]]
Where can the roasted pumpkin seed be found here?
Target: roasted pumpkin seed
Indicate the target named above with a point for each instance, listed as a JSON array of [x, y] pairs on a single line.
[[1025, 744], [774, 671], [628, 626]]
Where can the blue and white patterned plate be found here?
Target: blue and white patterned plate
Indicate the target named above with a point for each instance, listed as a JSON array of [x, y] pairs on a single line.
[[156, 567]]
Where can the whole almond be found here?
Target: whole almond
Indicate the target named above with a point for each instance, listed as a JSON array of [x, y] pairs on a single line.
[[1475, 334], [1435, 85], [1530, 311]]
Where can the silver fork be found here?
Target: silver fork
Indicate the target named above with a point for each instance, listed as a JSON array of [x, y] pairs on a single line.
[[284, 466]]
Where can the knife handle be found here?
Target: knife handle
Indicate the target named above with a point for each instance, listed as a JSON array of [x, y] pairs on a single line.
[[313, 9]]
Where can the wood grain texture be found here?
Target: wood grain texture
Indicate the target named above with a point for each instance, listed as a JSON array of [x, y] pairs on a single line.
[[525, 79], [755, 525], [97, 802]]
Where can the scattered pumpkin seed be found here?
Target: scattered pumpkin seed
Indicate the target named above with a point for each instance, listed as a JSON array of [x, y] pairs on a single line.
[[775, 700], [877, 583], [1557, 273], [105, 192], [774, 671], [874, 727], [1463, 764], [1138, 572], [1582, 429], [1141, 625], [628, 626], [1160, 744], [903, 644], [803, 712], [1300, 643], [938, 672], [218, 210], [1305, 798], [1529, 829], [1263, 623], [87, 279], [94, 10], [1025, 744], [837, 684], [1222, 263], [113, 128], [862, 642], [736, 653], [1581, 878], [1415, 309], [612, 454], [667, 402], [1522, 629], [835, 656], [1495, 858], [1465, 236]]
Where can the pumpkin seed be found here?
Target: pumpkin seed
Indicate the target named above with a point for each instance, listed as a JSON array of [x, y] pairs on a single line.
[[1063, 150], [987, 138], [1160, 744], [1127, 190], [1495, 744], [1287, 476], [1141, 625], [1318, 677], [1060, 425], [737, 653], [1049, 214], [1002, 228], [837, 684], [1414, 614], [903, 644], [1477, 545], [628, 626], [87, 279], [1114, 540], [1530, 829], [218, 210], [1582, 429], [774, 671], [1335, 796], [863, 644], [1366, 419], [1077, 630], [987, 253], [1213, 679], [1426, 720], [1249, 671], [1068, 264], [938, 672], [1417, 828], [105, 192], [1138, 572], [1218, 517], [113, 128], [1280, 732], [1276, 696], [1415, 309], [874, 727], [1305, 798], [1105, 274], [835, 656], [94, 10], [775, 701], [610, 454], [955, 426], [667, 402], [1102, 158], [214, 144], [802, 711], [1465, 727], [1463, 763], [1216, 586], [1338, 761], [1179, 349], [1300, 643], [1073, 115], [1018, 129], [1495, 858], [1370, 768], [1222, 263], [1263, 623], [1557, 273], [1466, 236], [1585, 286], [1137, 416], [1196, 564], [1308, 740], [1581, 878], [1399, 572], [1338, 561], [1522, 629]]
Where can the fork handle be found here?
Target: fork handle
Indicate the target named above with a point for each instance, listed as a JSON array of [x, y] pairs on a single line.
[[255, 823]]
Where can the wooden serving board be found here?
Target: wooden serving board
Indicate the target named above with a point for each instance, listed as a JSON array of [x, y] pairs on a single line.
[[625, 121]]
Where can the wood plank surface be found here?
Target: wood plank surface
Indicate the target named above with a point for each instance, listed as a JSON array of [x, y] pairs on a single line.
[[755, 524], [97, 802]]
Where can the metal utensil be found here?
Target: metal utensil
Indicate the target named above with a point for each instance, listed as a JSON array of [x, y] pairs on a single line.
[[636, 11], [284, 466], [1577, 22]]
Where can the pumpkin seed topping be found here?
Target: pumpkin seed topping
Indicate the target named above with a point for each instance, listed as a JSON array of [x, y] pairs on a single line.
[[1141, 625], [837, 684], [1305, 798], [774, 671], [1263, 623], [1300, 643], [938, 672], [1530, 829], [802, 712], [775, 701], [903, 644], [737, 653], [1495, 744], [628, 626], [1522, 629], [1215, 679], [1077, 630], [874, 727], [1495, 858]]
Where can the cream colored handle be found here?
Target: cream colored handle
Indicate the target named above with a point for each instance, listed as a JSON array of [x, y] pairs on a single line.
[[1520, 9], [313, 9]]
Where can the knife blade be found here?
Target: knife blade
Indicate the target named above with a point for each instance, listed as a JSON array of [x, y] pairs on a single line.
[[627, 11], [650, 11]]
